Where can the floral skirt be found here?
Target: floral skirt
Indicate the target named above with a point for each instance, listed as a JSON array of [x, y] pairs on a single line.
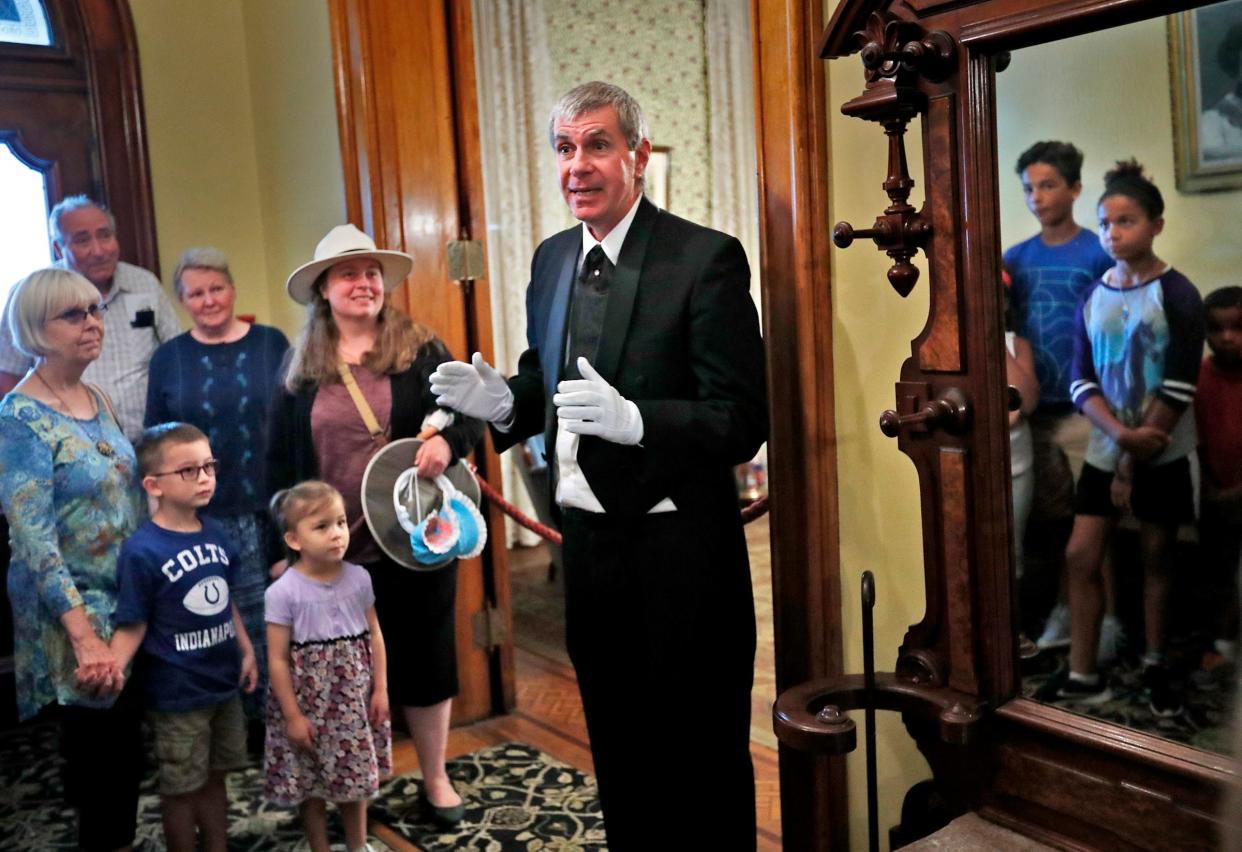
[[332, 682]]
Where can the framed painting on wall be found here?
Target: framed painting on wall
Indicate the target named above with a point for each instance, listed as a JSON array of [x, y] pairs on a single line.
[[1205, 67], [657, 175]]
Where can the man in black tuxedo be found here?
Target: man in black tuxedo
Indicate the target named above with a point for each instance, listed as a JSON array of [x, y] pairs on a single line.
[[645, 372]]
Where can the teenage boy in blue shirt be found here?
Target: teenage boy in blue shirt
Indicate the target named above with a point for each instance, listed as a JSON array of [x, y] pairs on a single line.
[[174, 608], [1051, 271]]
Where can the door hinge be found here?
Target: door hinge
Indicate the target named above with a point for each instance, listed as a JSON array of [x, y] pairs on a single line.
[[465, 260], [491, 628]]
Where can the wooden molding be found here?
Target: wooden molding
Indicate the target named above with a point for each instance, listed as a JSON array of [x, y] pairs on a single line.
[[116, 90], [797, 314], [81, 105]]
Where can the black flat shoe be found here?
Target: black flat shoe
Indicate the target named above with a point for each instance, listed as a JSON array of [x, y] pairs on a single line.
[[446, 817]]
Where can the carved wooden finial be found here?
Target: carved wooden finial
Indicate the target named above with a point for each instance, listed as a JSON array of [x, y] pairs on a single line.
[[894, 53]]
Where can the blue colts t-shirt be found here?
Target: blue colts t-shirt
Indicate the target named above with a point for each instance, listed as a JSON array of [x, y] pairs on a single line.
[[178, 585], [1048, 285]]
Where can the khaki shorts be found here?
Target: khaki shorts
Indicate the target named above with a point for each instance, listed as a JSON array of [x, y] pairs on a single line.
[[191, 744], [1060, 445]]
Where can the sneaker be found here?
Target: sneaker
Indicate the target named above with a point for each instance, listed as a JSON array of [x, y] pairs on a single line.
[[1163, 701], [1085, 694], [1112, 640], [1026, 648], [1056, 629], [1213, 670]]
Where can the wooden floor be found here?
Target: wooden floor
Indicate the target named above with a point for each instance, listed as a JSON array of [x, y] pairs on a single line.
[[549, 717]]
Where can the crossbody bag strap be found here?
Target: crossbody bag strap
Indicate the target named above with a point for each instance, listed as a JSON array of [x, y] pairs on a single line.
[[107, 401], [360, 402]]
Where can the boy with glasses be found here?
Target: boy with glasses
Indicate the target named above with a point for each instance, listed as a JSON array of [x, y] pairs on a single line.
[[174, 574]]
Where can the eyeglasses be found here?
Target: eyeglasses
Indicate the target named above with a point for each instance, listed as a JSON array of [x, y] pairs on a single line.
[[77, 316], [190, 474]]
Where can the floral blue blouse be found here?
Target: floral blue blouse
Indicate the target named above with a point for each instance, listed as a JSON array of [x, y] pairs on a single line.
[[67, 488]]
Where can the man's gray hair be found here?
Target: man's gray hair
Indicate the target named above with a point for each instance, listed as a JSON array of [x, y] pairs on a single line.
[[596, 95], [68, 205], [201, 258]]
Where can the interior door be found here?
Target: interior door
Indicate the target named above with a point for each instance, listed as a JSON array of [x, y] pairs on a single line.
[[407, 113]]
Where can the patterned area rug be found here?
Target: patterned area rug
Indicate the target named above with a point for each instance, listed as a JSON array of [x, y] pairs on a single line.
[[518, 798], [1208, 701], [539, 618], [34, 816]]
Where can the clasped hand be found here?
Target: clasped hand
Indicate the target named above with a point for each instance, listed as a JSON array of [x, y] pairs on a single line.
[[1143, 442], [591, 406], [97, 673]]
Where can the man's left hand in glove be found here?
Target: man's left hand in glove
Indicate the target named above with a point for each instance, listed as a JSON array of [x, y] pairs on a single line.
[[591, 406]]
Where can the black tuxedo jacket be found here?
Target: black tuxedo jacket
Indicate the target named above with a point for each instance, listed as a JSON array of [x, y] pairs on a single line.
[[681, 340]]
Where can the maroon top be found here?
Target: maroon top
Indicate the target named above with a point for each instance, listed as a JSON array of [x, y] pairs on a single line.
[[344, 447], [1218, 414]]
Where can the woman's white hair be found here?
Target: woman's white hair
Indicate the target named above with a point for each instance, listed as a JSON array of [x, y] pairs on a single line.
[[41, 296], [201, 258]]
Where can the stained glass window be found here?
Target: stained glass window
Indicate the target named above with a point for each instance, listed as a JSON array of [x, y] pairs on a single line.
[[24, 22], [24, 242]]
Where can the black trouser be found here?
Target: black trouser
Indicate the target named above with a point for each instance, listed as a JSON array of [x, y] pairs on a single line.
[[103, 755], [660, 626]]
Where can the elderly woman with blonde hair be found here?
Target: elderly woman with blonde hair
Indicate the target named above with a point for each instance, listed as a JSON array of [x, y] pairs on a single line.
[[66, 486]]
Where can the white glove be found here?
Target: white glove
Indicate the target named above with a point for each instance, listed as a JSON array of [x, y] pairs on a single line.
[[591, 406], [474, 389]]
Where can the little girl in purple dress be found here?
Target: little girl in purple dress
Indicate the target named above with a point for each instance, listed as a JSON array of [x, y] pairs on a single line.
[[329, 738]]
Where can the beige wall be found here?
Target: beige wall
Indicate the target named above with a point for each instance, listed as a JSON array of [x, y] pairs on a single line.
[[1113, 106], [301, 184], [241, 125]]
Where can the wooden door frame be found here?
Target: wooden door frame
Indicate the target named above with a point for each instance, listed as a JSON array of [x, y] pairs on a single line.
[[791, 134], [793, 192], [96, 52]]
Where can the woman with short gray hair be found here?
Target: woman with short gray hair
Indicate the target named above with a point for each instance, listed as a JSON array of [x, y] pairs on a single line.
[[221, 376], [66, 486]]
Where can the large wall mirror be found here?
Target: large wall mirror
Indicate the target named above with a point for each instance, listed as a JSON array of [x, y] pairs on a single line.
[[1150, 605]]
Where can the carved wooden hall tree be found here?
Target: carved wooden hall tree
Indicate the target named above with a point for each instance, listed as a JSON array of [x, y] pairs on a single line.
[[1066, 779]]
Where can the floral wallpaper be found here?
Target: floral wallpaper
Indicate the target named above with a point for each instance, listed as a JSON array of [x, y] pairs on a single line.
[[654, 50]]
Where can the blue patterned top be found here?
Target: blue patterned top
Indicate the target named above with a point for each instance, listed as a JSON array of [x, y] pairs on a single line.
[[69, 507], [1048, 284], [1134, 345], [223, 389]]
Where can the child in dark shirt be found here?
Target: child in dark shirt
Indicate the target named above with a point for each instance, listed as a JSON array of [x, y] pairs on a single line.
[[1218, 415], [173, 609]]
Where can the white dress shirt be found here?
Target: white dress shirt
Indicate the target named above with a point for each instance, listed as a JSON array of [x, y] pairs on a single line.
[[572, 488]]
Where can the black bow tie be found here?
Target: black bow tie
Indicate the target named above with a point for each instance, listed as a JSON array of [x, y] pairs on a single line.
[[596, 268]]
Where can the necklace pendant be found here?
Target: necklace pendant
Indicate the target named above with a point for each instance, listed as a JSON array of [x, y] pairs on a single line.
[[104, 448]]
